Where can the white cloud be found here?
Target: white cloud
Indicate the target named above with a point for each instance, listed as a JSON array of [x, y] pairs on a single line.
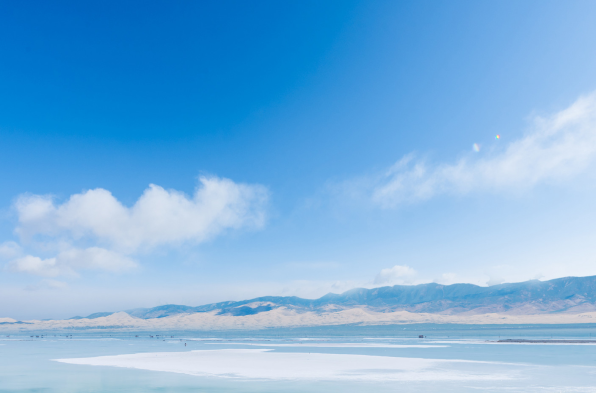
[[159, 217], [35, 265], [70, 261], [396, 275], [9, 250], [557, 147], [452, 278]]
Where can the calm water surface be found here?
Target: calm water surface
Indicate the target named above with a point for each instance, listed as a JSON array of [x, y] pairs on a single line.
[[27, 363]]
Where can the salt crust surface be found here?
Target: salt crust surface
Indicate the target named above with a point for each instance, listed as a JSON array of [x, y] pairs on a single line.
[[332, 345], [263, 364]]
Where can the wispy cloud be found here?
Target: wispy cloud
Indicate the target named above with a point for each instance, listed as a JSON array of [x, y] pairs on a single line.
[[70, 261], [116, 232], [10, 249], [555, 148]]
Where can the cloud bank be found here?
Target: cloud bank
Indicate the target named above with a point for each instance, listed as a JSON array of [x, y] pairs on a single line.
[[555, 148], [159, 217]]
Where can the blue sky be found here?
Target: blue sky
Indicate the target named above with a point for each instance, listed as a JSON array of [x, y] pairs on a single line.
[[296, 148]]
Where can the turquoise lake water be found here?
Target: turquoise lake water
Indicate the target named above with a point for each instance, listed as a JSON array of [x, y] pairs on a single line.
[[27, 364]]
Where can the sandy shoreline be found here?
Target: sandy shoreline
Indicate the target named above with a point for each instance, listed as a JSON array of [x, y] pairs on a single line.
[[282, 317]]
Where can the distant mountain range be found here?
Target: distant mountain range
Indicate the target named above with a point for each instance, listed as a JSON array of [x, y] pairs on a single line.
[[562, 295]]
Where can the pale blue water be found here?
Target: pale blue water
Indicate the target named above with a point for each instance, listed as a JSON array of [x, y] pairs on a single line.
[[26, 363]]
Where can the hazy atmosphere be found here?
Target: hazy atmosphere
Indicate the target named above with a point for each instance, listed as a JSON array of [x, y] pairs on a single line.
[[197, 152]]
